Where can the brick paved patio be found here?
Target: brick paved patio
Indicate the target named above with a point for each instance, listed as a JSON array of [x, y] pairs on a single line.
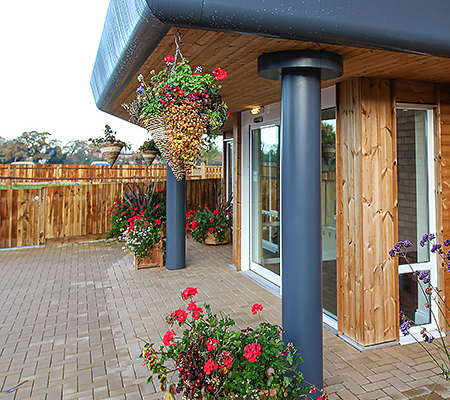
[[70, 313]]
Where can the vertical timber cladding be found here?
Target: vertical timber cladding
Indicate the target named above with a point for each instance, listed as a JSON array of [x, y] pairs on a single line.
[[367, 276], [444, 121]]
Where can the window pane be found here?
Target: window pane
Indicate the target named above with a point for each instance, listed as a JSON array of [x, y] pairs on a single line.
[[412, 181], [413, 299]]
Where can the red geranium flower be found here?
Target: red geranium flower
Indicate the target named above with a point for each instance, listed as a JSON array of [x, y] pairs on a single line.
[[252, 351], [169, 59], [215, 212], [194, 224], [219, 73], [211, 220], [168, 337], [256, 307], [211, 230], [158, 221], [210, 366], [188, 292]]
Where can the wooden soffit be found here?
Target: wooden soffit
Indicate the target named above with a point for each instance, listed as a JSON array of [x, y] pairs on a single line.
[[238, 53]]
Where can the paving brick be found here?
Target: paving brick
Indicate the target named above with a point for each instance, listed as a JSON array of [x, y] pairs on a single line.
[[68, 324]]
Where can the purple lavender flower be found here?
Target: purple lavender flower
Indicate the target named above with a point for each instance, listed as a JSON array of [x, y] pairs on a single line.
[[198, 70], [436, 247], [427, 338], [447, 242], [448, 266], [407, 243], [416, 273], [140, 89], [405, 327], [424, 276], [426, 238]]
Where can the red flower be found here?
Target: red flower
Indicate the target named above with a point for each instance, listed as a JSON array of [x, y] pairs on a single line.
[[158, 206], [256, 307], [196, 313], [228, 361], [159, 190], [169, 59], [188, 292], [211, 220], [252, 351], [192, 306], [210, 366], [158, 221], [194, 224], [146, 223], [168, 337], [180, 315], [211, 230], [215, 212], [211, 344], [219, 73]]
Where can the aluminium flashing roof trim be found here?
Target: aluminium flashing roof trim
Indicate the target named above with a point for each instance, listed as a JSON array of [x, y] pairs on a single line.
[[130, 34], [133, 28]]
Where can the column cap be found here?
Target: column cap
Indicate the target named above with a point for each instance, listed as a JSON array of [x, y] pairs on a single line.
[[271, 65]]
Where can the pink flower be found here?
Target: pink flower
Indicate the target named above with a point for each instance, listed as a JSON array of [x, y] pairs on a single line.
[[210, 366], [168, 337], [252, 351], [256, 307], [188, 293]]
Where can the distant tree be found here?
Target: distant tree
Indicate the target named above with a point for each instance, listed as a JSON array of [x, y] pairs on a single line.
[[11, 150], [210, 153], [78, 152]]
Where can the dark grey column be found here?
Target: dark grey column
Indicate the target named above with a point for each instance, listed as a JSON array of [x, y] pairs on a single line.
[[175, 225], [301, 228]]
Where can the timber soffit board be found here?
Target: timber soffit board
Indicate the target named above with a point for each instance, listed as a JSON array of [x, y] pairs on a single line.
[[136, 40]]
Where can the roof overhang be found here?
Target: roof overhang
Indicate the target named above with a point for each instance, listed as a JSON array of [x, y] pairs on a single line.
[[371, 36]]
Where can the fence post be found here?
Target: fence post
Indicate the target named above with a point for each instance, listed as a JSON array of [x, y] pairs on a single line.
[[203, 170]]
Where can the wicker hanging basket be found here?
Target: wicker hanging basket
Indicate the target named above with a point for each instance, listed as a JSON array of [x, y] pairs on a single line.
[[149, 156], [157, 129], [110, 151]]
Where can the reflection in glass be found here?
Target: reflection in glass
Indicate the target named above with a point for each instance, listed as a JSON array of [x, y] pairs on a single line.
[[329, 237], [265, 195], [412, 181], [414, 300]]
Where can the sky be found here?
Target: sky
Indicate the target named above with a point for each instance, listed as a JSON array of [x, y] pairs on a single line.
[[48, 50]]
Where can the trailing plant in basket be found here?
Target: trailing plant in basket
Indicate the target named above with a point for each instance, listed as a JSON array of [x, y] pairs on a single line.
[[109, 136], [148, 145], [202, 357], [188, 105]]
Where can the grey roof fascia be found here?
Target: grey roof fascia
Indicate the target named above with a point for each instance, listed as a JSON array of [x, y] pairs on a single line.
[[133, 28]]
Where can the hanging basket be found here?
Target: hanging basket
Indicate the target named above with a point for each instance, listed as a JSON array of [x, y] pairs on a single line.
[[149, 156], [156, 128], [110, 151]]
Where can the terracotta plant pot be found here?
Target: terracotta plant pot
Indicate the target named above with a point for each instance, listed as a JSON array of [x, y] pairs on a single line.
[[211, 238], [149, 156], [110, 151], [156, 259]]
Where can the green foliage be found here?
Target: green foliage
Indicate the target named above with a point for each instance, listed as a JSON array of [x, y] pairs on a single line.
[[328, 133], [206, 359], [109, 136]]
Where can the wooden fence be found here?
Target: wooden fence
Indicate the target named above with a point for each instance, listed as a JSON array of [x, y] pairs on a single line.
[[56, 213], [98, 173]]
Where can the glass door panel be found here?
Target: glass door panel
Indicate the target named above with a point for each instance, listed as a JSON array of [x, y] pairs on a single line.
[[329, 235], [415, 183], [265, 203]]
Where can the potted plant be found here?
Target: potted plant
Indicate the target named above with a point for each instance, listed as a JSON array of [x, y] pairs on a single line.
[[142, 239], [149, 151], [109, 145], [182, 109], [210, 227], [204, 358]]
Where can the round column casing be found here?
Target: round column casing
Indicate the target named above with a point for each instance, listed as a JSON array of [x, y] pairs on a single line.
[[300, 73], [175, 223]]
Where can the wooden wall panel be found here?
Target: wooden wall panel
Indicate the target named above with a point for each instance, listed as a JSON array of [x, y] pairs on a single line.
[[367, 276], [415, 92]]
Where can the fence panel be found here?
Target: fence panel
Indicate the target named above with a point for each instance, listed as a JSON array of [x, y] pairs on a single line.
[[33, 216]]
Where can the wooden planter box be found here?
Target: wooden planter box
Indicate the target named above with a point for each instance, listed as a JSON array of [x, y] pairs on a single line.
[[211, 238], [156, 260]]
